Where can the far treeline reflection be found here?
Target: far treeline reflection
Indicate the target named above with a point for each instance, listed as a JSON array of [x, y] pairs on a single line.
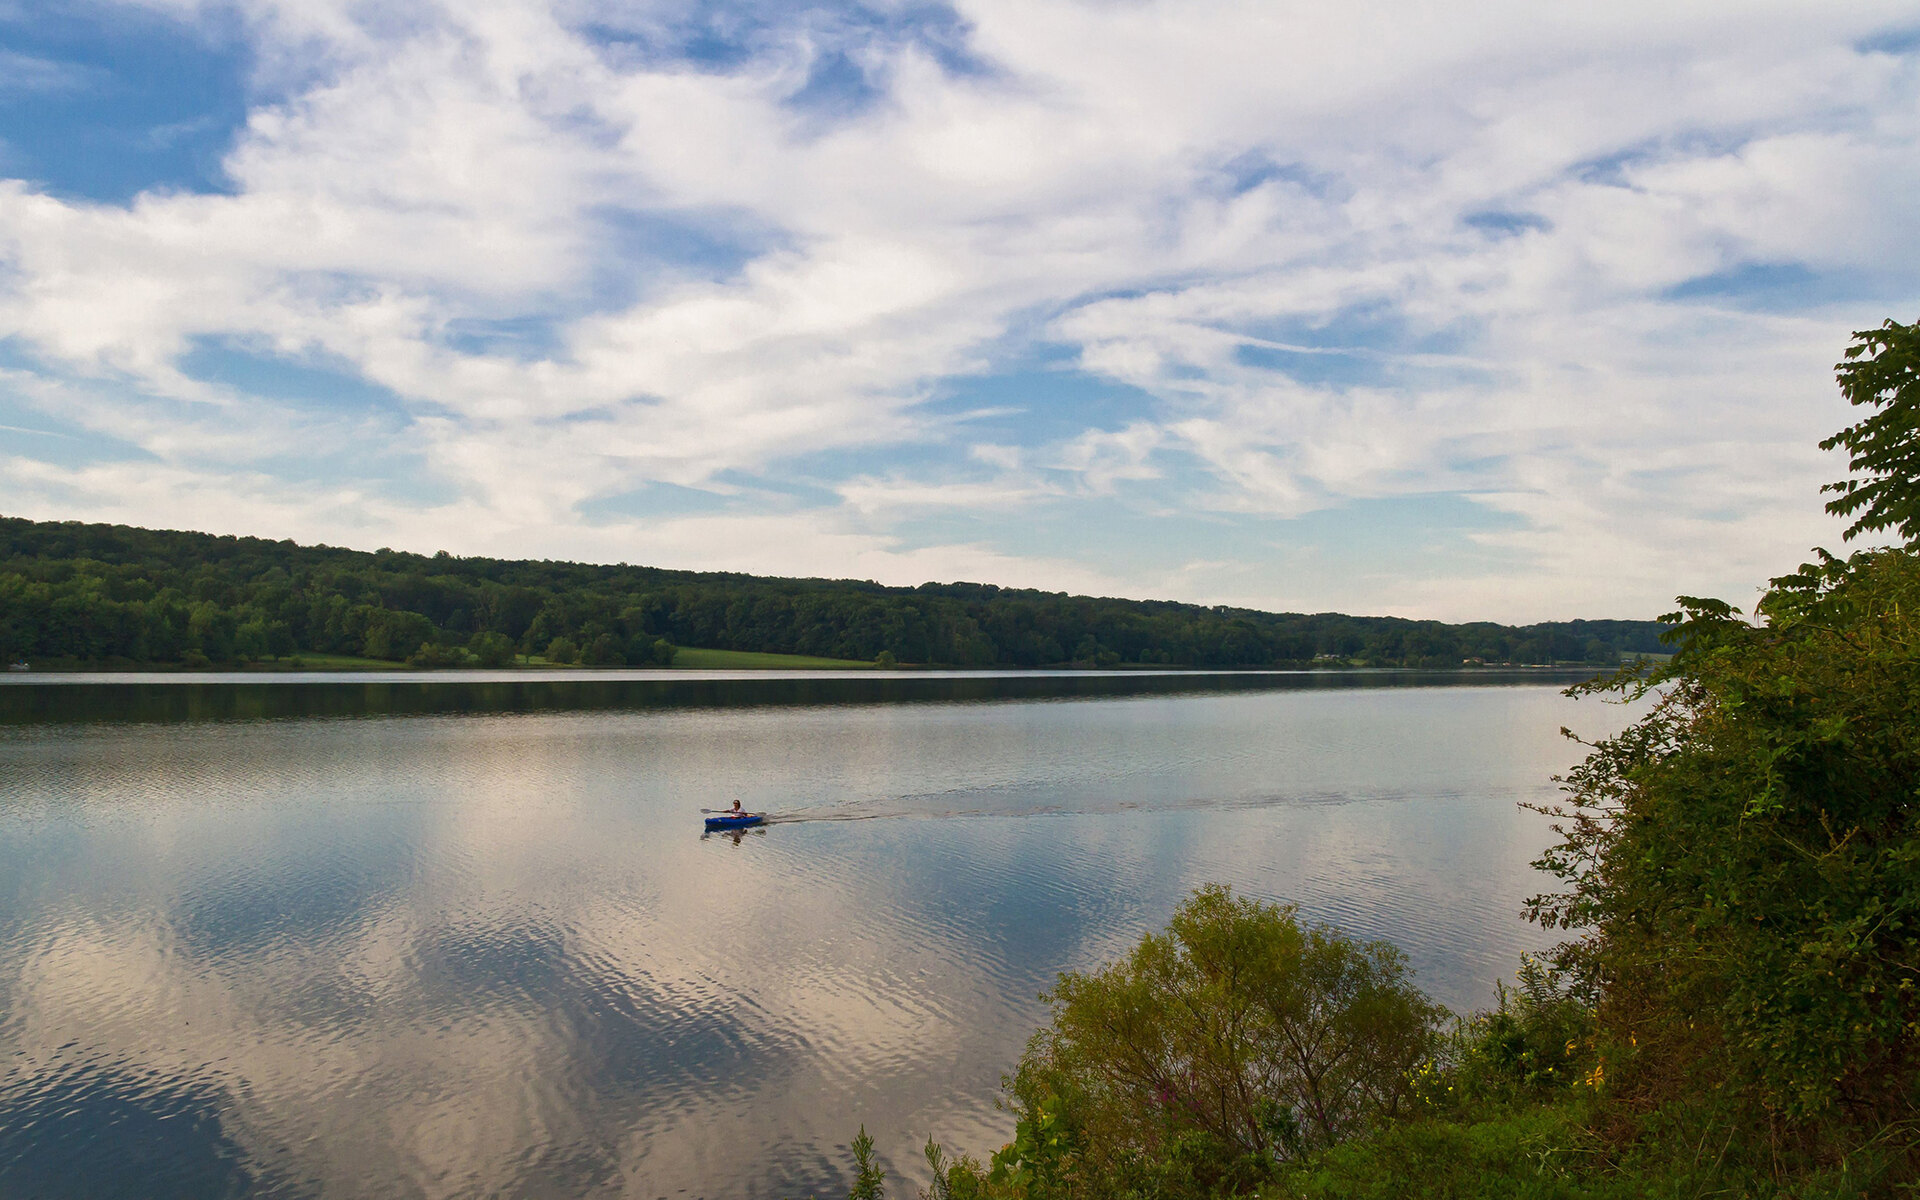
[[184, 699], [77, 595]]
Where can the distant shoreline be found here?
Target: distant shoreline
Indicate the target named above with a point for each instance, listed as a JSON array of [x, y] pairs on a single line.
[[557, 674], [90, 597]]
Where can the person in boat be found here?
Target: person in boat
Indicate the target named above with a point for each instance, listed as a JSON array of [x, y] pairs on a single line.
[[737, 810]]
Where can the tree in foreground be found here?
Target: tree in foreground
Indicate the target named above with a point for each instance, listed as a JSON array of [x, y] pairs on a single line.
[[1881, 370], [1230, 1043]]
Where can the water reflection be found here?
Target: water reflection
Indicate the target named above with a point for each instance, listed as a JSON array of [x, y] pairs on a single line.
[[136, 696], [735, 836], [443, 956]]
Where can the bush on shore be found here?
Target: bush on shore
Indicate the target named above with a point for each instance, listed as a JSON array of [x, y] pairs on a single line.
[[1235, 1041]]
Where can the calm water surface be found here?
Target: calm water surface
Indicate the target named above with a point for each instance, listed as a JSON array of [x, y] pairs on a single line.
[[468, 939]]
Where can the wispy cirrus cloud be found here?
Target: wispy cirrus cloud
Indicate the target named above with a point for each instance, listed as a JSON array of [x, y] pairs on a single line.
[[26, 73]]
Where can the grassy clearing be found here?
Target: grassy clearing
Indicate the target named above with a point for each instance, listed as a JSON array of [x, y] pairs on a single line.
[[1529, 1153], [332, 662], [716, 660], [688, 656]]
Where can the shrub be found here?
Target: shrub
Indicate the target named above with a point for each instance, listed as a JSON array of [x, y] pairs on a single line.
[[644, 649], [869, 1181], [433, 656], [603, 651], [1539, 1039], [1745, 862], [1233, 1041], [492, 650], [1533, 1152]]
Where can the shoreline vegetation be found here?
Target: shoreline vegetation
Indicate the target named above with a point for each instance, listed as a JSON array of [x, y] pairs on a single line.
[[685, 658], [1736, 1011], [692, 659], [76, 596]]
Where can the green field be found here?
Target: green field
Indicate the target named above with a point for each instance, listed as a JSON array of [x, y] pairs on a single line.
[[332, 662], [688, 657], [718, 660]]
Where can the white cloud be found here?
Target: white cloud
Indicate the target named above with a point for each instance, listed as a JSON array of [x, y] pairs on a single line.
[[1259, 216], [895, 496]]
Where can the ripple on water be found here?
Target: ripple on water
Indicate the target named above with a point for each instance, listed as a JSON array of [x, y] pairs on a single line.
[[447, 956]]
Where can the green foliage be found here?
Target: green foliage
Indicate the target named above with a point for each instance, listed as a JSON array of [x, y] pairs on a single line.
[[561, 651], [1745, 863], [1514, 1105], [1535, 1152], [490, 649], [394, 633], [645, 651], [1518, 1103], [748, 660], [1539, 1040], [1556, 1149], [432, 656], [101, 594], [1230, 1043], [603, 651], [869, 1181], [1881, 369]]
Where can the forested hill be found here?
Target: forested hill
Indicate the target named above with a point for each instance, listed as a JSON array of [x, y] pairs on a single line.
[[77, 594]]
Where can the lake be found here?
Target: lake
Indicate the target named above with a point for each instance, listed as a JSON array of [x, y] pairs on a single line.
[[388, 936]]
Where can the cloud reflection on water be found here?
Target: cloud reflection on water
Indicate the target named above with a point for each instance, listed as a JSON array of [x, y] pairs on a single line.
[[447, 955]]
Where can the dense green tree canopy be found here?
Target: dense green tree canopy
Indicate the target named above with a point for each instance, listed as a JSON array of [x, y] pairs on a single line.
[[109, 593]]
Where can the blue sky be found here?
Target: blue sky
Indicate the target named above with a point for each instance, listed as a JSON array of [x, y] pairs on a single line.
[[1467, 311]]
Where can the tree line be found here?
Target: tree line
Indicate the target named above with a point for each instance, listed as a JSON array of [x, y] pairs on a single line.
[[88, 594]]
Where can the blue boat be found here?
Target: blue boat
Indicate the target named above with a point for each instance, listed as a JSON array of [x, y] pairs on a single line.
[[733, 820]]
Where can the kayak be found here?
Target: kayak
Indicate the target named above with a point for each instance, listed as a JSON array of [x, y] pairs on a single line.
[[735, 820]]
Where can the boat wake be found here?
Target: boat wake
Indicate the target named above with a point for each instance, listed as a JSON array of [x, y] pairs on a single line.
[[944, 808]]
